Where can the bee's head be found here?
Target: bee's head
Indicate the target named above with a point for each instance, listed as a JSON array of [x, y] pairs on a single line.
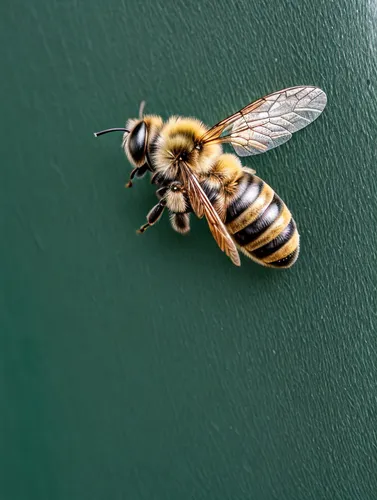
[[134, 142], [138, 133]]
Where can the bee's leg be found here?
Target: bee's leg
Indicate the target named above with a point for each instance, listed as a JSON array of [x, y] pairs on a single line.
[[157, 178], [139, 172], [180, 222], [178, 203], [153, 216], [160, 193]]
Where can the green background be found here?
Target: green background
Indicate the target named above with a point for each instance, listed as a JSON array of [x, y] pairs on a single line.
[[148, 367]]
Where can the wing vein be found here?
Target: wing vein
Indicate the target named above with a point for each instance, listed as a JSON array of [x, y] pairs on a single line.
[[264, 117], [202, 206]]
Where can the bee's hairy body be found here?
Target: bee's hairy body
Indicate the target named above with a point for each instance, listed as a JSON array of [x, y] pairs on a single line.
[[193, 174], [256, 218]]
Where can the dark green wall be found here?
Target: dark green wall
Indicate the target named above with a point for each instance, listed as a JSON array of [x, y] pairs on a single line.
[[148, 367]]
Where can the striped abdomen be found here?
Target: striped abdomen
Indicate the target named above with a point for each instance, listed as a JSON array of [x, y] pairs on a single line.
[[261, 224]]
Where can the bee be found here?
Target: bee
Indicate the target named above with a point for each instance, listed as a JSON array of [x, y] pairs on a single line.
[[193, 174]]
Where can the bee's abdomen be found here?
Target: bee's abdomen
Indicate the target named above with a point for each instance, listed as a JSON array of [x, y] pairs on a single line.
[[261, 224]]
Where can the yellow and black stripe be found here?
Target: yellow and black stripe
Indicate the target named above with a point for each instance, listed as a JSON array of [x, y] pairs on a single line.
[[261, 224]]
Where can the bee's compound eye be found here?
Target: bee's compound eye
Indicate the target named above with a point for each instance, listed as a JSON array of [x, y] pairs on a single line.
[[137, 142]]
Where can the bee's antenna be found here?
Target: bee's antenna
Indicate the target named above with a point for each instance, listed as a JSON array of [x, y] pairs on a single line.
[[141, 109], [97, 134]]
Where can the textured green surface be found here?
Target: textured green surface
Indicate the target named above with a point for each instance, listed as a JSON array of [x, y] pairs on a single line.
[[148, 367]]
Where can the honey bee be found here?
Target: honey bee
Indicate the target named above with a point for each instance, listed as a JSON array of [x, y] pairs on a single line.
[[193, 174]]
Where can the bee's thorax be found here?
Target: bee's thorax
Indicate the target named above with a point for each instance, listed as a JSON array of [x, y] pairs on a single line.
[[179, 140]]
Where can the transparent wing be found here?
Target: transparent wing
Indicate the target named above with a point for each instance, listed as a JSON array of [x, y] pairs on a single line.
[[202, 206], [270, 121]]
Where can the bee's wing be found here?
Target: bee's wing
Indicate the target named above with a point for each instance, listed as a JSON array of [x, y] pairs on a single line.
[[270, 121], [202, 206]]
